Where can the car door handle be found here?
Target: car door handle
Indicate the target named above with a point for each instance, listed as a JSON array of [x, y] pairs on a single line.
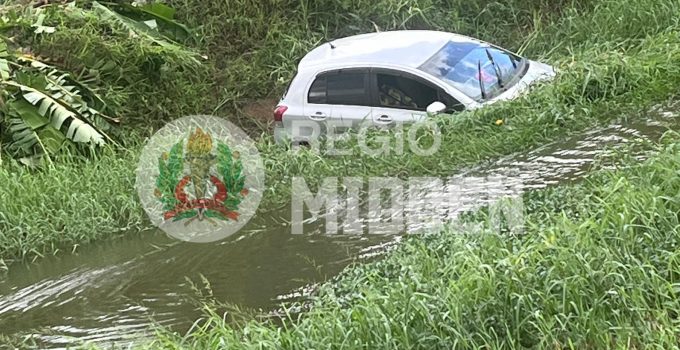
[[318, 116], [384, 118]]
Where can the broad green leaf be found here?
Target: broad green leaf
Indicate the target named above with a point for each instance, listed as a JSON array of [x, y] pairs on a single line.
[[4, 69], [3, 49], [30, 79], [4, 64], [46, 110], [28, 113], [151, 24], [163, 15], [78, 131], [131, 25], [23, 137], [51, 138], [74, 94], [160, 10], [58, 114]]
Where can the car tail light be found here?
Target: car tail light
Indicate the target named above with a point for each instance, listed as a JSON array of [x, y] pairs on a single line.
[[278, 113]]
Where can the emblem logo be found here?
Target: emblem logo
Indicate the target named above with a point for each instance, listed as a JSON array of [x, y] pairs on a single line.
[[200, 178], [171, 187]]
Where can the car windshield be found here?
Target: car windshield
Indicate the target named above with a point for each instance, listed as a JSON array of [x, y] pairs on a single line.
[[478, 70]]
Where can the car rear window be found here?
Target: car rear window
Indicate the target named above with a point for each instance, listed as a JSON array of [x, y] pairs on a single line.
[[285, 91], [340, 88]]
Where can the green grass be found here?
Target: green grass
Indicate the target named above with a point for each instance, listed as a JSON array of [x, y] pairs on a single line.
[[264, 40], [625, 62], [62, 207], [596, 84], [597, 267], [602, 77]]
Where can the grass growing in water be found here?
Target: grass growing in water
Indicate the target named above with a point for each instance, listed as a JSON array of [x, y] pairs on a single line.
[[66, 205], [627, 62], [597, 267]]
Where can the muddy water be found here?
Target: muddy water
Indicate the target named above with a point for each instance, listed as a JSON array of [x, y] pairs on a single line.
[[116, 290]]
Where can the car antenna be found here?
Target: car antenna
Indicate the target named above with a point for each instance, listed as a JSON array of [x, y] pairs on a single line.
[[330, 42]]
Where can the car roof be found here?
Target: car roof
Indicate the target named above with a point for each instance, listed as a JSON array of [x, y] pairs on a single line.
[[410, 48]]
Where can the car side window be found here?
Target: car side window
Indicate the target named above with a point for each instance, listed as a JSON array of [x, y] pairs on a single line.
[[317, 92], [402, 92], [452, 105], [340, 88]]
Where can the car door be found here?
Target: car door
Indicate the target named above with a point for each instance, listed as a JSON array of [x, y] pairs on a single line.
[[339, 99], [316, 111], [400, 97]]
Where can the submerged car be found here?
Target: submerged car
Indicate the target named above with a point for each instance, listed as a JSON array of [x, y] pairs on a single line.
[[395, 77]]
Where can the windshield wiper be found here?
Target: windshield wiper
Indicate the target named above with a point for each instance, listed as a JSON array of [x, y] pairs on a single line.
[[495, 68], [481, 84]]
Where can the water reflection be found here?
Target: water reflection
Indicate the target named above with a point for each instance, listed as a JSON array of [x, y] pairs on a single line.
[[113, 290]]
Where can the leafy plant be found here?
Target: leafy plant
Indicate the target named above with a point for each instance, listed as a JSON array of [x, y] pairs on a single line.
[[156, 16], [153, 21], [47, 111]]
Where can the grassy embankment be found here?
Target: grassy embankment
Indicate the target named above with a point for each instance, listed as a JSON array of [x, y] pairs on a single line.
[[598, 267], [625, 61]]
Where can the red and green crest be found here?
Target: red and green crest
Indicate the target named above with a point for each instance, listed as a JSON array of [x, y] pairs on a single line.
[[199, 181]]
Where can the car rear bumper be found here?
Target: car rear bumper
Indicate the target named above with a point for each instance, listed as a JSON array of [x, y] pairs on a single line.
[[281, 135]]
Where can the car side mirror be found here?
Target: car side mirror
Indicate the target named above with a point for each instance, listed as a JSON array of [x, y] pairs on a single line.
[[435, 108]]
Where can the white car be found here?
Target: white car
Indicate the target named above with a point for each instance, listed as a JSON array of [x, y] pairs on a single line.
[[395, 77]]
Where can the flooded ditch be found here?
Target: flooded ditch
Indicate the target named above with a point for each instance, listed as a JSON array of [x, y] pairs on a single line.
[[116, 290]]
